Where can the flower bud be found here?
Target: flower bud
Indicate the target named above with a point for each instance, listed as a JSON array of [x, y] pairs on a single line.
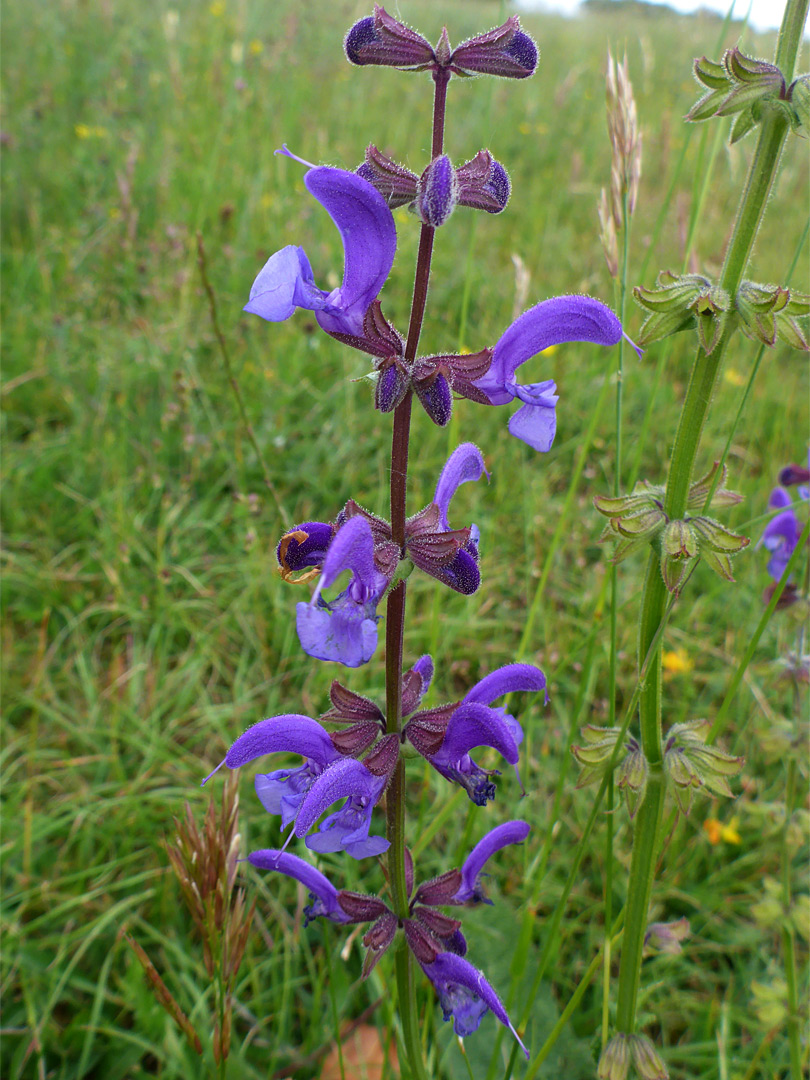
[[506, 51], [359, 907], [395, 183], [614, 1064], [632, 778], [690, 764], [646, 1060], [768, 312], [436, 398], [437, 192], [377, 940], [381, 39], [392, 385], [483, 183]]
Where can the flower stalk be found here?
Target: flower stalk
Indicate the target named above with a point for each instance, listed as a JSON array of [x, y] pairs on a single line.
[[705, 372]]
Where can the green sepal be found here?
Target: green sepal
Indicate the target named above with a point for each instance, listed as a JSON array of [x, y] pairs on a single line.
[[746, 69], [619, 505], [642, 526], [699, 489], [790, 332], [710, 326], [671, 292], [707, 106], [718, 537], [711, 74], [674, 572], [662, 325], [721, 564], [742, 96], [799, 96], [744, 123], [625, 548]]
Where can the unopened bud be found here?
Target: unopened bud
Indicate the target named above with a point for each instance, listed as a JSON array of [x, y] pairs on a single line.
[[437, 193], [614, 1064], [646, 1059], [436, 398], [505, 51], [381, 39]]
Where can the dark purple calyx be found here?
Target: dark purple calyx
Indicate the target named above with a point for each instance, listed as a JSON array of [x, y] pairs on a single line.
[[356, 739], [441, 926], [794, 474], [425, 730], [383, 758], [377, 940], [304, 548], [395, 183], [421, 942], [436, 378], [437, 192], [348, 706], [381, 39], [359, 907], [505, 51], [379, 337], [483, 183], [439, 890]]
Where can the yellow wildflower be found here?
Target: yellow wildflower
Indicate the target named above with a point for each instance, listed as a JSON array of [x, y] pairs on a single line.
[[716, 831], [256, 47], [677, 662], [217, 9], [731, 375]]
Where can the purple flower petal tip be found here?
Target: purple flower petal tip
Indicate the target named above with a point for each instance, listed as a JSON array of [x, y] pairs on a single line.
[[465, 995], [322, 892], [471, 891]]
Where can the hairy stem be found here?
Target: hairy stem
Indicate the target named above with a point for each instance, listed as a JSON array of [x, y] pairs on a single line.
[[705, 372], [395, 619]]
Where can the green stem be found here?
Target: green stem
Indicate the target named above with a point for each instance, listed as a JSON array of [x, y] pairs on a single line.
[[699, 394], [406, 994]]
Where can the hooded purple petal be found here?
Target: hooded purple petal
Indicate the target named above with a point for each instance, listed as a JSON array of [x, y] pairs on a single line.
[[291, 733], [368, 233], [345, 629], [321, 889], [369, 236], [465, 995], [347, 829], [552, 322], [474, 725], [465, 463], [470, 891], [506, 680]]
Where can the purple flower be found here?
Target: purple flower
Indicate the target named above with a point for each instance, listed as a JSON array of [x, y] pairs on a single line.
[[461, 573], [323, 894], [445, 736], [465, 995], [553, 322], [347, 829], [471, 891], [368, 233], [283, 792], [781, 533], [345, 629]]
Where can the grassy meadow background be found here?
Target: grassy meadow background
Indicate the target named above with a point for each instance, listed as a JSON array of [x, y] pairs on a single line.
[[144, 626]]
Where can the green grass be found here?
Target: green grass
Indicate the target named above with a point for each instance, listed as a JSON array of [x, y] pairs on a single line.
[[144, 626]]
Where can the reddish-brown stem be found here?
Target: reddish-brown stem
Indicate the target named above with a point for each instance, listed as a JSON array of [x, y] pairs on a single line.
[[395, 610]]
